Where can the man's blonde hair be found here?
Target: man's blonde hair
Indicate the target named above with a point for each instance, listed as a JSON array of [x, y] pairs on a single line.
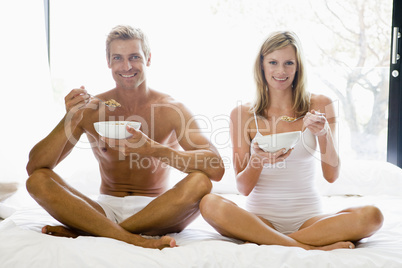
[[126, 32], [301, 98]]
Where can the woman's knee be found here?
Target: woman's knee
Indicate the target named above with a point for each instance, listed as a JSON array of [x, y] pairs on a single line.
[[213, 206], [207, 204], [375, 215], [371, 218]]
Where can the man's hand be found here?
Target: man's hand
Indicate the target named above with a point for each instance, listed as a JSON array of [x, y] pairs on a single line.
[[76, 101], [138, 143]]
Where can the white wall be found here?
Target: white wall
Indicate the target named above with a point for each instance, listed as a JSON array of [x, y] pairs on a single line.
[[27, 97]]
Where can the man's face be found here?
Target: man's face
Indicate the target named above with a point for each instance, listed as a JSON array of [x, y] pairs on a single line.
[[128, 63]]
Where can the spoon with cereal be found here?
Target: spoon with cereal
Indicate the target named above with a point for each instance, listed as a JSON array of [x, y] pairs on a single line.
[[109, 103], [112, 103], [290, 119]]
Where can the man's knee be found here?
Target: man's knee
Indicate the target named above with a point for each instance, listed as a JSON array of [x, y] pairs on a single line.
[[200, 182], [38, 181], [195, 186]]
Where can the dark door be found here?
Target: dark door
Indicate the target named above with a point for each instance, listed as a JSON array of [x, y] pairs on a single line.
[[394, 150]]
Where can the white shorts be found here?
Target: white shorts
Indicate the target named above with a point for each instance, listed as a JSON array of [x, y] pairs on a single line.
[[288, 226], [117, 209]]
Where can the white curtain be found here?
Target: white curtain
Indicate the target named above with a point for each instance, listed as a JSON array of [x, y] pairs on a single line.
[[26, 93]]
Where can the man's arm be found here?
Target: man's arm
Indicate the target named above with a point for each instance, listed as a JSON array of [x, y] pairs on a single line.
[[59, 143], [206, 160], [52, 149], [199, 153]]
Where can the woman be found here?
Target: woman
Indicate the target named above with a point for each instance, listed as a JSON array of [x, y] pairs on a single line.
[[283, 206]]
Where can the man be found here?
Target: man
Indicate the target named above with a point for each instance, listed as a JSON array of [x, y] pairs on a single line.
[[149, 207]]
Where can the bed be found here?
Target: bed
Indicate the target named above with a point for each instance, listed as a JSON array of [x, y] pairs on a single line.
[[361, 182]]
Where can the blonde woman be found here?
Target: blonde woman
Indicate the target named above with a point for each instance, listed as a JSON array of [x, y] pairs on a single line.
[[283, 206]]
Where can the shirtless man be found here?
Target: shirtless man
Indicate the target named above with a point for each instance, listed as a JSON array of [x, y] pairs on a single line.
[[168, 137]]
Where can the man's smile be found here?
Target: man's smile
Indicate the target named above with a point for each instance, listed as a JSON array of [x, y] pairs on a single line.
[[128, 75]]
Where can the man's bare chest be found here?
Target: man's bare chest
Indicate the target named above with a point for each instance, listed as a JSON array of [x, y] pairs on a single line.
[[153, 124]]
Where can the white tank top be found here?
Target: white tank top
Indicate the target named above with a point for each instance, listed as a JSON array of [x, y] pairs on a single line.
[[287, 189]]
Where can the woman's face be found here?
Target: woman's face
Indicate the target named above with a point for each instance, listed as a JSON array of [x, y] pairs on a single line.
[[280, 68]]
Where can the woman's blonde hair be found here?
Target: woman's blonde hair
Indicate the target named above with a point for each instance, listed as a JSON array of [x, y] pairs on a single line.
[[301, 98], [126, 32]]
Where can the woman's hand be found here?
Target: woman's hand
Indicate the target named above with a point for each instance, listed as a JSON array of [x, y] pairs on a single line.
[[270, 158], [316, 123]]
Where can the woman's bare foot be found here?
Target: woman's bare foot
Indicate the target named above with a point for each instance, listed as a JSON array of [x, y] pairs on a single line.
[[337, 245]]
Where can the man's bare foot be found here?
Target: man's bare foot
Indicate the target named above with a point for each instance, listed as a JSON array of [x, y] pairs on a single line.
[[163, 242], [137, 240], [59, 231]]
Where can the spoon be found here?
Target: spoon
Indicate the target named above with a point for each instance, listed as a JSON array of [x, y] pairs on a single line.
[[292, 119]]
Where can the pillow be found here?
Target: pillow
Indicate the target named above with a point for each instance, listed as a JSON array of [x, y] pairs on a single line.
[[364, 177], [7, 189]]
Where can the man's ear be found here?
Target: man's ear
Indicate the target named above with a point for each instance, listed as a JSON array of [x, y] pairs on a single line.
[[149, 59], [108, 61]]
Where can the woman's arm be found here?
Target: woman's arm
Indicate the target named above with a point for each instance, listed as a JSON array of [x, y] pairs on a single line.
[[324, 127], [247, 165]]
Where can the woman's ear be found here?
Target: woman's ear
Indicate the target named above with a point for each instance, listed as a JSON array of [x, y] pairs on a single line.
[[262, 63]]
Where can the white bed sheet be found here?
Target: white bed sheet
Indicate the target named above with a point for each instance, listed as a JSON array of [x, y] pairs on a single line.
[[22, 244]]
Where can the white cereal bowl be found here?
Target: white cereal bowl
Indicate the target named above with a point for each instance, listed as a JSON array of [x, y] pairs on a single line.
[[115, 129], [274, 142]]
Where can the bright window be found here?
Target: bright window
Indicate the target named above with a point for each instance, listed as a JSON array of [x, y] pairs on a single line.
[[203, 53]]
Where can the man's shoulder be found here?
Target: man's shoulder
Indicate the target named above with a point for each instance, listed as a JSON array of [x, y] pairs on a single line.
[[160, 97], [166, 101]]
